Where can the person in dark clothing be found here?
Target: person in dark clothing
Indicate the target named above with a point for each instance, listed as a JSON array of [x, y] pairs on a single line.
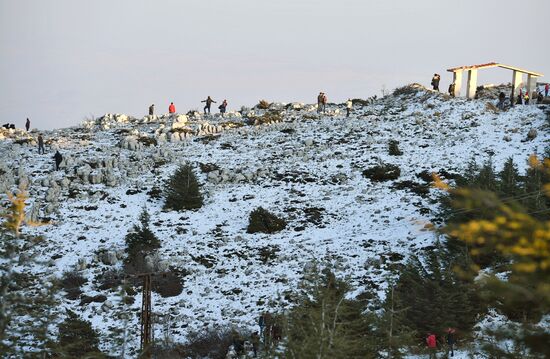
[[519, 100], [58, 158], [452, 89], [152, 110], [324, 101], [261, 323], [28, 124], [40, 144], [501, 101], [435, 82], [223, 107], [255, 340], [450, 341], [540, 97], [209, 102]]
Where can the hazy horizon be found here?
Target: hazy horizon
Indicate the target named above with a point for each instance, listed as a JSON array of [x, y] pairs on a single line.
[[66, 60]]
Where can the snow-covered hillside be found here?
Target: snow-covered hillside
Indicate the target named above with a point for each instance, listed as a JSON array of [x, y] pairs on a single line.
[[305, 168]]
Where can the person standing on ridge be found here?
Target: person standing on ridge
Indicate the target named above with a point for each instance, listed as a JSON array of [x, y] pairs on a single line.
[[349, 105], [324, 101], [172, 108], [452, 90], [40, 144], [152, 110], [209, 102], [58, 158], [223, 107], [432, 345], [534, 97], [435, 82], [319, 102], [450, 341], [546, 89], [28, 124]]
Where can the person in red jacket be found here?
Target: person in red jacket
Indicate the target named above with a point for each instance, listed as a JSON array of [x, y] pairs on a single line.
[[172, 108], [546, 88], [432, 345]]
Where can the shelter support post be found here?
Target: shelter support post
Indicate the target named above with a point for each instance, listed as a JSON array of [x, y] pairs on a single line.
[[531, 83], [472, 83], [457, 80]]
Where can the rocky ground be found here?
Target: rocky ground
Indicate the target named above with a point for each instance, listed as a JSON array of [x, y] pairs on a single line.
[[306, 168]]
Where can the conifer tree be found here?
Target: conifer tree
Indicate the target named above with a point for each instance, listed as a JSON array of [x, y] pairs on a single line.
[[141, 240], [486, 178], [183, 190], [77, 339], [435, 296], [325, 324], [524, 240], [536, 200], [509, 180]]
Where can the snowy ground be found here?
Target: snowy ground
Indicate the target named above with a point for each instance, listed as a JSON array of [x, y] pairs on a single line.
[[312, 177]]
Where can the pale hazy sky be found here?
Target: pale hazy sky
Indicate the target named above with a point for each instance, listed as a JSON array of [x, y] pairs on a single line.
[[64, 60]]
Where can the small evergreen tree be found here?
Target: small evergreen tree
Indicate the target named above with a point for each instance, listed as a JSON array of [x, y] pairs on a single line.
[[183, 190], [77, 339], [141, 240], [393, 332], [535, 199], [509, 180], [326, 324], [436, 297], [486, 178]]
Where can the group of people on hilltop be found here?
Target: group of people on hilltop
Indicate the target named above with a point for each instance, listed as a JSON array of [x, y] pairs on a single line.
[[322, 101], [536, 96], [523, 97], [208, 104]]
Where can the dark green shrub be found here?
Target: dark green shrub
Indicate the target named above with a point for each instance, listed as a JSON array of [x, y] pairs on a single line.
[[167, 284], [183, 190], [263, 105], [407, 90], [382, 172], [77, 339], [263, 221], [207, 343], [393, 148], [71, 283]]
